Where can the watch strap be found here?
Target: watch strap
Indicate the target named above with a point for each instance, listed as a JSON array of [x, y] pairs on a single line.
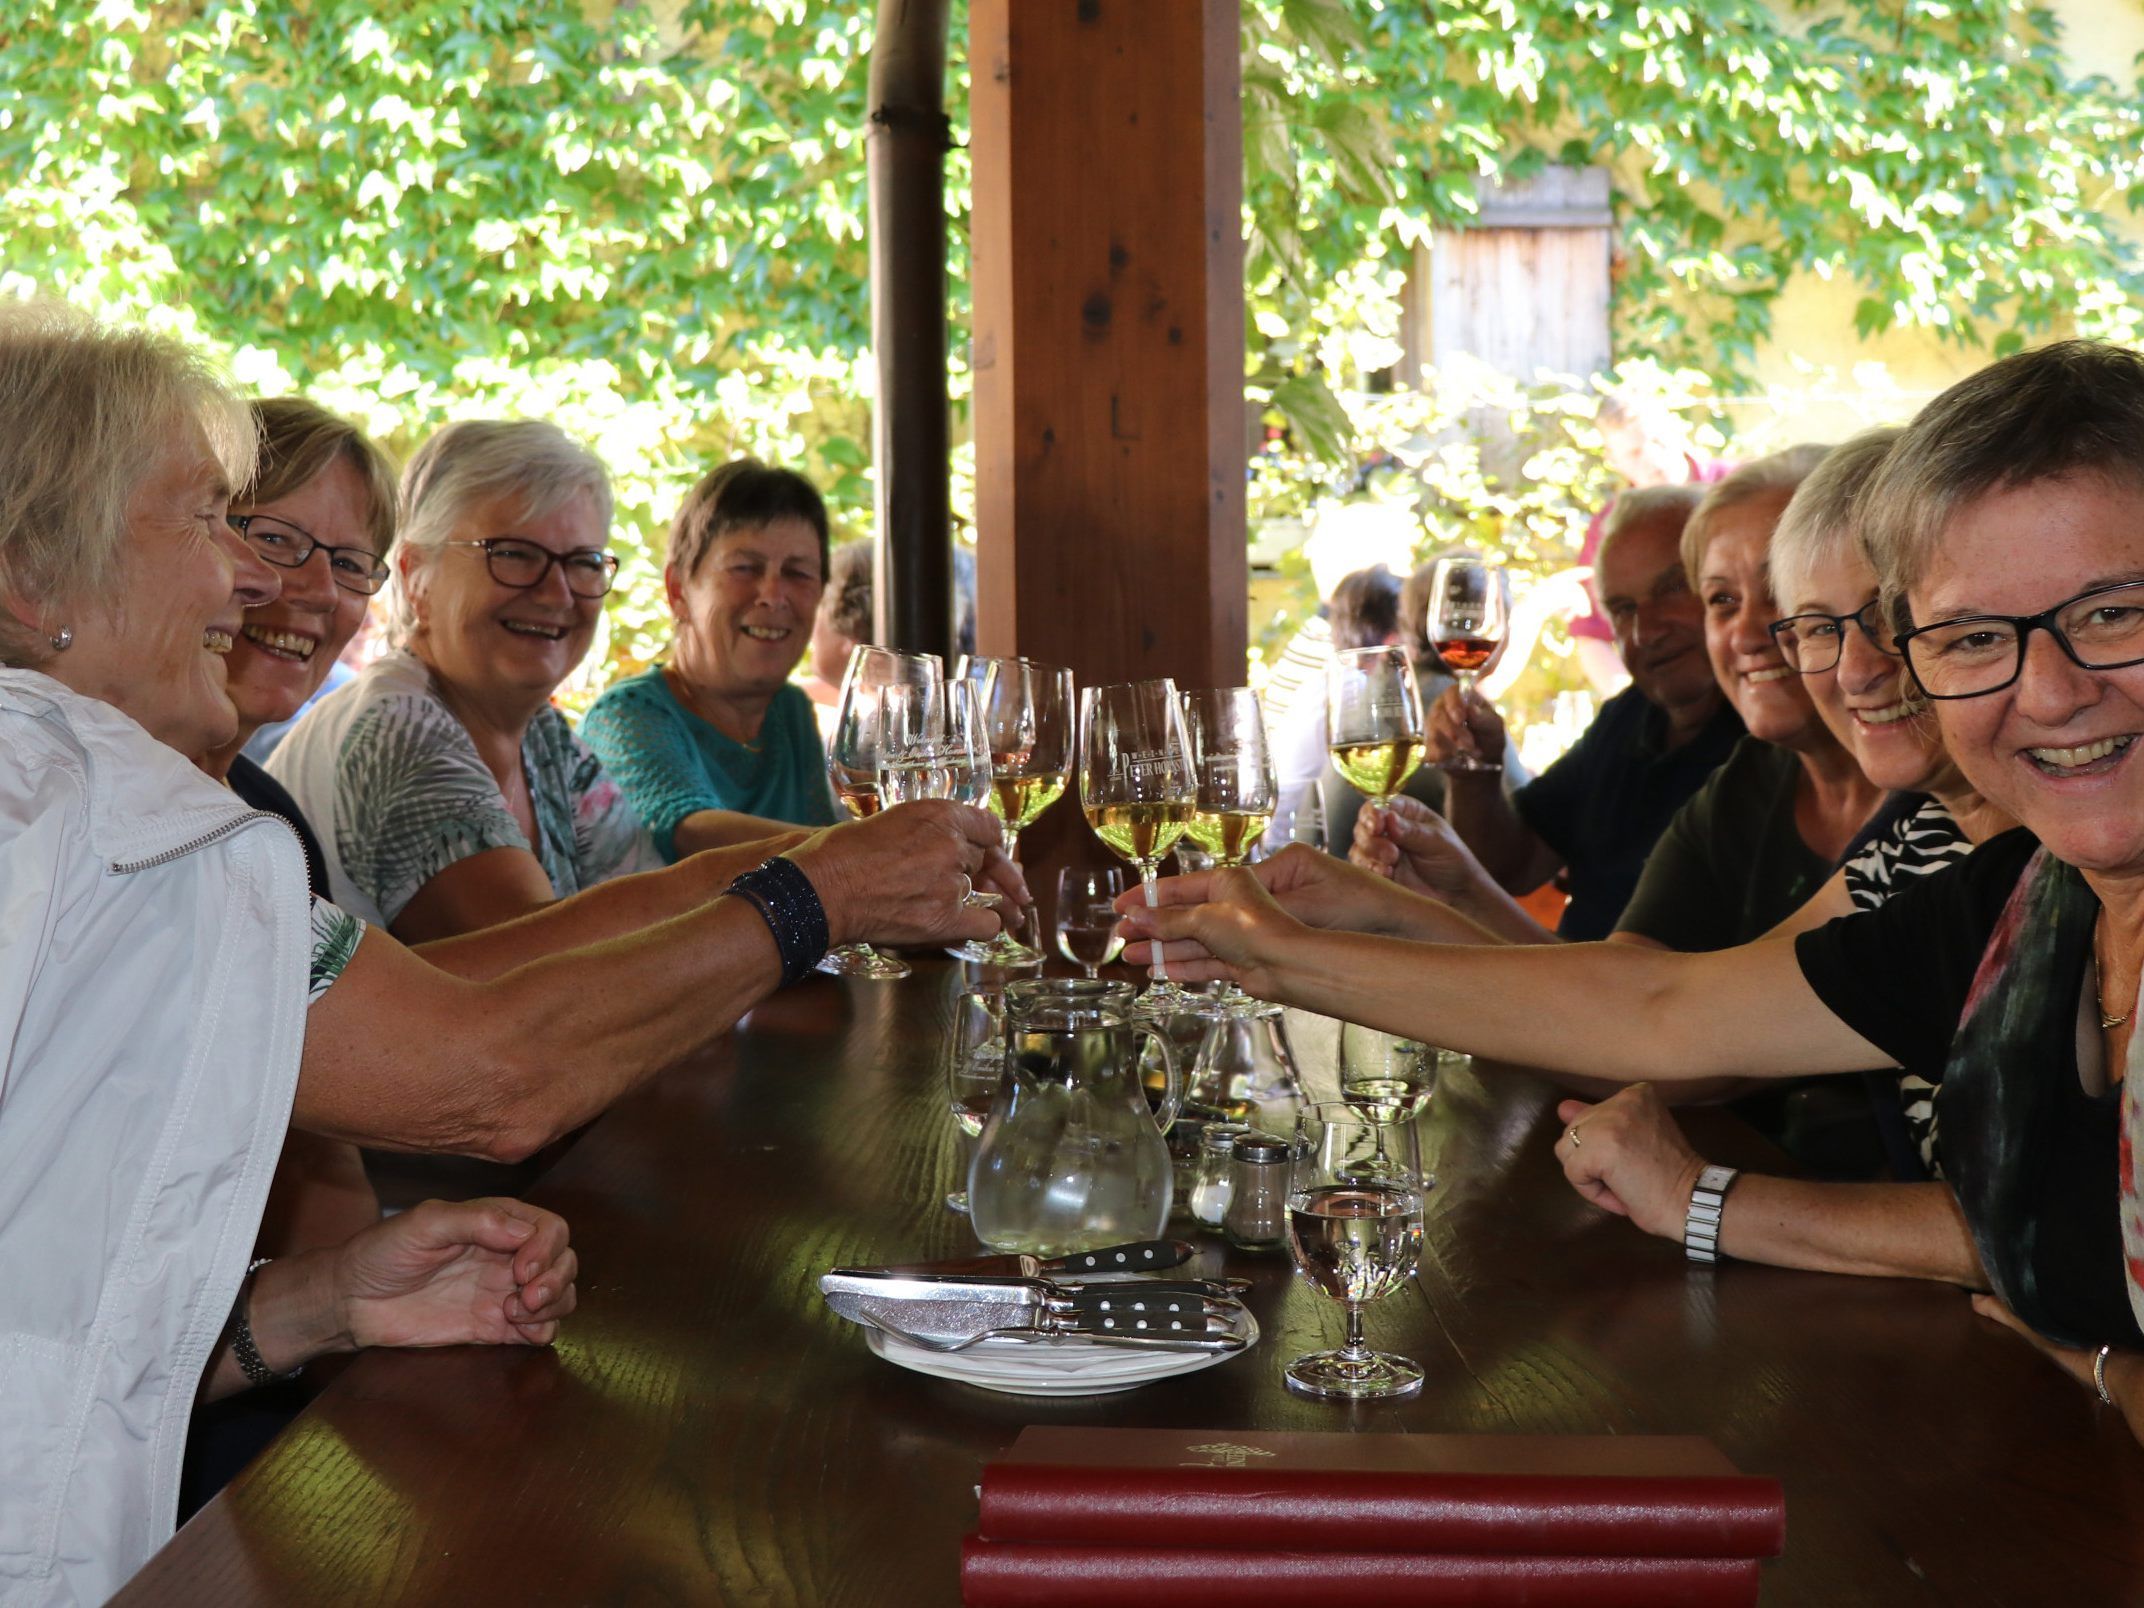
[[1701, 1223], [250, 1363]]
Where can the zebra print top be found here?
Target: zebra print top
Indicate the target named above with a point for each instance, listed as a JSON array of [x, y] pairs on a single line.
[[1919, 841]]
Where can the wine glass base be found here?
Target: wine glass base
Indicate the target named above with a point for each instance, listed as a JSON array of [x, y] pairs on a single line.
[[957, 1201], [1164, 998], [861, 960], [1334, 1375]]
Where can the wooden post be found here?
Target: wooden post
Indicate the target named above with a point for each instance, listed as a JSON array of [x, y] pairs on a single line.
[[1107, 252]]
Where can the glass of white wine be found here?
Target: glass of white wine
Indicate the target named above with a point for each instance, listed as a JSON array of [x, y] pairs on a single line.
[[932, 746], [1373, 719], [1087, 915], [1237, 788], [1355, 1194], [875, 679], [1137, 787], [1027, 714]]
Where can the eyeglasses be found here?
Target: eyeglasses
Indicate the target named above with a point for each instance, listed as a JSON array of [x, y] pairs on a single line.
[[1811, 643], [2100, 629], [288, 546], [521, 565]]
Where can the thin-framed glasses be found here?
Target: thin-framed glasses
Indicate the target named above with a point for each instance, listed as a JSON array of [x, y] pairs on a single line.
[[521, 565], [1975, 654], [288, 546], [1811, 643]]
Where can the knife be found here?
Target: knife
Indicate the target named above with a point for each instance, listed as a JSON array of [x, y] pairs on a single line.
[[1144, 1257], [947, 1316]]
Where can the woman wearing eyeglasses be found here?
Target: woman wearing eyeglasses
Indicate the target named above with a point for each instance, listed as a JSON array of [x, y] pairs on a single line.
[[2009, 521], [448, 793]]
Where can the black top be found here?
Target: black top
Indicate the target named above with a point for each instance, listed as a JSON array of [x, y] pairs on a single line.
[[1732, 864], [264, 792], [1605, 803], [1900, 975]]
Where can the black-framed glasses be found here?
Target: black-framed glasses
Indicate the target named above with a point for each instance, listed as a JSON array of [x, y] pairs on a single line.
[[1811, 643], [288, 546], [1974, 654], [513, 562]]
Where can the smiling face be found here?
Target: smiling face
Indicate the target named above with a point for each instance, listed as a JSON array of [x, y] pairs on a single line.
[[157, 651], [1659, 624], [1736, 595], [503, 642], [2057, 748], [1866, 699], [286, 647], [744, 616]]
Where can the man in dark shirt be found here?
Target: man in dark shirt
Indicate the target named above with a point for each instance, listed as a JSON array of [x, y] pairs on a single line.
[[1595, 814]]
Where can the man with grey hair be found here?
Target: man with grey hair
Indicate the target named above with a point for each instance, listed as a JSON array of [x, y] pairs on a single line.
[[1593, 817]]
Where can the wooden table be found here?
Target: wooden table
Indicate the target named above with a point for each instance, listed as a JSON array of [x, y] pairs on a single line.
[[705, 1431]]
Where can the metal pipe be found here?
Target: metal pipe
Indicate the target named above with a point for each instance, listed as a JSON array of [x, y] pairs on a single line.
[[905, 147]]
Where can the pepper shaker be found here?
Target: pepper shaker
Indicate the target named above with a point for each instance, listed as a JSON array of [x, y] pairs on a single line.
[[1258, 1191]]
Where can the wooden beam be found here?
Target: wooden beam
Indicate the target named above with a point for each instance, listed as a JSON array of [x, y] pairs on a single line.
[[1108, 335]]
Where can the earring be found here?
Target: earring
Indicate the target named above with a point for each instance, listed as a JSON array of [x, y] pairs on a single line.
[[63, 639]]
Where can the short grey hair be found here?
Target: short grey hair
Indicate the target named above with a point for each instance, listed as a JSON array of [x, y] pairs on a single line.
[[480, 460], [1782, 471], [82, 408], [1822, 524], [1646, 505], [2075, 407]]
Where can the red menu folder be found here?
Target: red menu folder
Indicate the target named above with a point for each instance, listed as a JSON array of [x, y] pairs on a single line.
[[997, 1574], [1553, 1496]]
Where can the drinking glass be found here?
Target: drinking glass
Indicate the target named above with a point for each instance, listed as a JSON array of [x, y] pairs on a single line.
[[879, 683], [1137, 787], [1027, 722], [932, 746], [1373, 714], [1469, 612], [974, 1062], [1355, 1190], [1384, 1073], [1237, 788], [1087, 915]]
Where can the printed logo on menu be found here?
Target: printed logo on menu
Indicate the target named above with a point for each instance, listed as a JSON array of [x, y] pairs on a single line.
[[1225, 1454]]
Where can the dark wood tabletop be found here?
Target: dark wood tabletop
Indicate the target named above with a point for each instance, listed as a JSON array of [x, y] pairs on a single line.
[[706, 1431]]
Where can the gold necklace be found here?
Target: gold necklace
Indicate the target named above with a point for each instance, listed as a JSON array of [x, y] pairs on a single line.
[[2107, 1024], [683, 694]]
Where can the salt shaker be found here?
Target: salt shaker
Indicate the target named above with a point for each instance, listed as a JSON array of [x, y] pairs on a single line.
[[1258, 1191], [1210, 1185]]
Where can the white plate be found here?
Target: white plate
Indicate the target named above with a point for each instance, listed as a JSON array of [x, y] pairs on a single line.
[[1065, 1367]]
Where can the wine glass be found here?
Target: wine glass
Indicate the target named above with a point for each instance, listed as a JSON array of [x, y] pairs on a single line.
[[1390, 1077], [1027, 719], [1087, 915], [1237, 788], [879, 683], [1355, 1190], [932, 746], [974, 1063], [1373, 719], [1469, 612], [1137, 788]]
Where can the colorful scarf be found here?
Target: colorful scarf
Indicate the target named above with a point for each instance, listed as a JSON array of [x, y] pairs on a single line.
[[2002, 1088]]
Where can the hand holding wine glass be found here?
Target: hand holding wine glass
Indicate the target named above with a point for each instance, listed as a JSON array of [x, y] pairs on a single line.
[[1469, 612], [932, 746], [880, 686], [1026, 711], [1373, 719], [1137, 787], [1237, 786], [1355, 1197]]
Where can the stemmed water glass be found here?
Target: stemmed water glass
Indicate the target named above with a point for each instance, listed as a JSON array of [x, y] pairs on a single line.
[[1087, 915], [1469, 612], [1237, 787], [1027, 721], [880, 684], [1373, 719], [1355, 1193], [1137, 787], [932, 746]]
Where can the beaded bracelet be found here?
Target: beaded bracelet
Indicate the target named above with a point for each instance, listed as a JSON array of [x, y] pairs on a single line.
[[2099, 1374], [250, 1363], [785, 899]]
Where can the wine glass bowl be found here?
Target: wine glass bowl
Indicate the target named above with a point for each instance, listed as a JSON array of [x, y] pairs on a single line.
[[881, 687], [1355, 1207], [974, 1063], [1469, 614], [1238, 788], [1026, 711], [1086, 915], [1373, 719], [1137, 788]]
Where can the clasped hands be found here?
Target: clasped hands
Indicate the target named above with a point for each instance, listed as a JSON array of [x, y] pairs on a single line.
[[900, 877]]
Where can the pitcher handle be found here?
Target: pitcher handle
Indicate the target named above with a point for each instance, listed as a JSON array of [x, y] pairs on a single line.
[[1172, 1098]]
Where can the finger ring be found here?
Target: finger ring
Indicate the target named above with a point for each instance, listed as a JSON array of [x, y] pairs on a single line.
[[967, 887], [1573, 1132]]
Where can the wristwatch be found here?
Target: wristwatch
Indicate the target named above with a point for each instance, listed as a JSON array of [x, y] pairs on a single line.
[[1701, 1227]]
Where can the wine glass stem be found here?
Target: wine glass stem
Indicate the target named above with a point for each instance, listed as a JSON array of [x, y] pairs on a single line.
[[1150, 885], [1355, 1349], [1094, 973]]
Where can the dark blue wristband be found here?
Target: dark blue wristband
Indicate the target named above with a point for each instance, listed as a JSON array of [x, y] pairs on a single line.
[[785, 899]]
